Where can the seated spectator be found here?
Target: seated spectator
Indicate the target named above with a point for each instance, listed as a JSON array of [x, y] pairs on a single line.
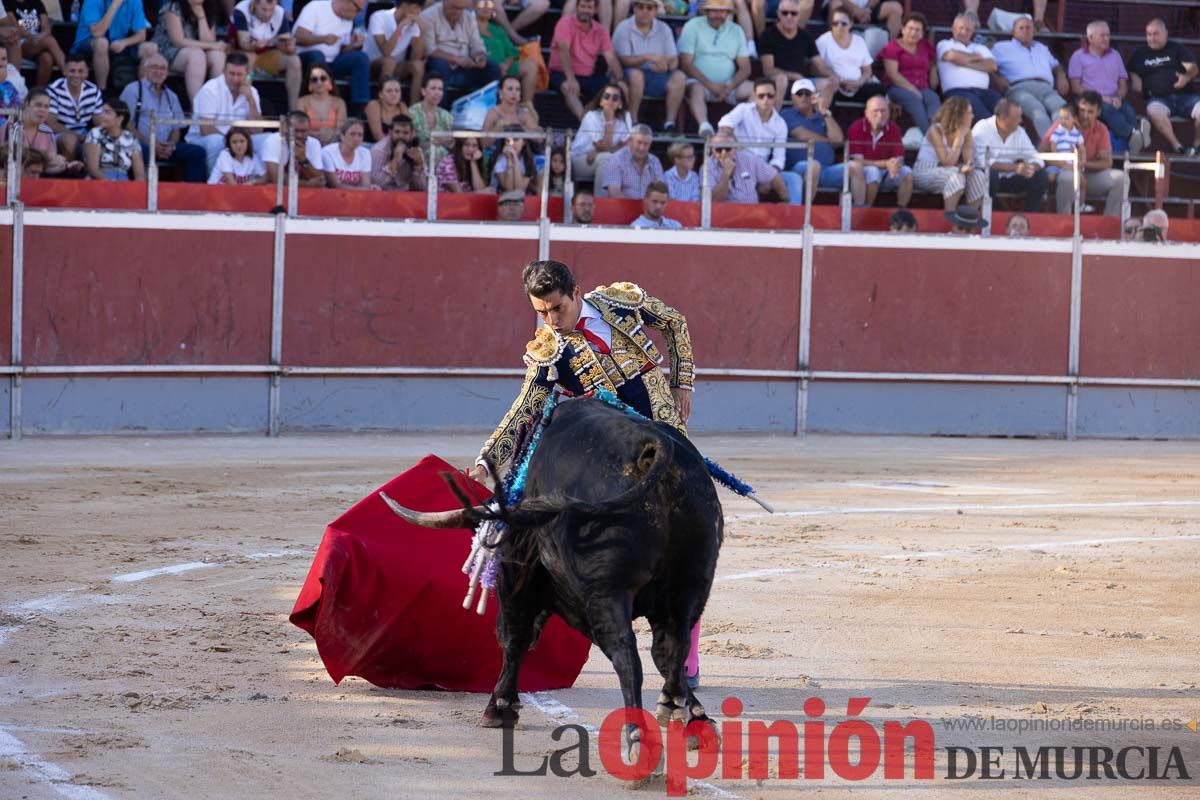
[[326, 111], [394, 44], [430, 119], [877, 156], [510, 206], [1064, 137], [150, 96], [454, 49], [33, 164], [264, 33], [228, 97], [946, 162], [1154, 226], [736, 176], [848, 60], [109, 30], [654, 206], [36, 133], [1097, 67], [902, 221], [12, 85], [109, 150], [603, 131], [512, 166], [786, 50], [683, 182], [910, 71], [74, 101], [1031, 74], [808, 121], [396, 165], [1038, 6], [759, 9], [583, 207], [1002, 144], [500, 48], [645, 46], [307, 150], [388, 104], [870, 14], [1018, 227], [1099, 177], [632, 168], [1163, 72], [325, 33], [509, 110], [965, 221], [555, 171], [188, 35], [1131, 230], [712, 54], [463, 169], [531, 12], [758, 121], [237, 164], [965, 68], [37, 39], [580, 44], [347, 163]]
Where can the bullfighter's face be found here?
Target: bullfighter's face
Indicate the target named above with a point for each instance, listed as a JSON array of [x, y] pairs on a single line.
[[559, 311]]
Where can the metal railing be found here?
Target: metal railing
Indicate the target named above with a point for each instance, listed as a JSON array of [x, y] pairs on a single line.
[[187, 122]]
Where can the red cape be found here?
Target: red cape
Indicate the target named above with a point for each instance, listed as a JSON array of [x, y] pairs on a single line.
[[383, 600]]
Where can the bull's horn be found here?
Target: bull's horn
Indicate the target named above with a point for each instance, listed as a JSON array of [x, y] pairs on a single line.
[[432, 519]]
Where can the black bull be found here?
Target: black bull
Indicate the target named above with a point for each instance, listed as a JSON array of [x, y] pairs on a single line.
[[619, 520]]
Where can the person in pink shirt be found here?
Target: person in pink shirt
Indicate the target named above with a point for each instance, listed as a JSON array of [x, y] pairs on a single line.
[[910, 70], [1097, 67], [579, 43]]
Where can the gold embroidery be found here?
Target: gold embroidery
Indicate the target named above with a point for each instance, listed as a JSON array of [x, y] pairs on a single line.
[[545, 349], [662, 405], [662, 317], [529, 402], [624, 294]]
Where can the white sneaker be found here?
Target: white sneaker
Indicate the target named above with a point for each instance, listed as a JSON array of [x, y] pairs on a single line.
[[706, 130], [1140, 138]]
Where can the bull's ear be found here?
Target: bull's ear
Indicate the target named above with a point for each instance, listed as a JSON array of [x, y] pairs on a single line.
[[646, 458]]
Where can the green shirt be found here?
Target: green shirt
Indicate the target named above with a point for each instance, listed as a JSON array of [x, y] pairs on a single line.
[[422, 126], [713, 51], [499, 47]]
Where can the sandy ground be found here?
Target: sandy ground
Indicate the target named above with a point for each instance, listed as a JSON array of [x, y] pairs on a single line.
[[945, 579]]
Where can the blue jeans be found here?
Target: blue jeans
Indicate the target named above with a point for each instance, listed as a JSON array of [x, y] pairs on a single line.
[[191, 156], [830, 177], [795, 186], [983, 101], [920, 107], [464, 78], [1120, 121], [354, 65]]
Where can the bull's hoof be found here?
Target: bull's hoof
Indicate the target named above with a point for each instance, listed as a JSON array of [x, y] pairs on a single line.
[[499, 714], [693, 742]]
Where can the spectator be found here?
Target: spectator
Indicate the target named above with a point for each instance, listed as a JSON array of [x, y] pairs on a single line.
[[965, 68], [150, 96], [1039, 13], [965, 221], [654, 205], [512, 165], [736, 176], [1002, 144], [500, 48], [509, 110], [1096, 67], [307, 150], [531, 12], [396, 165], [430, 119], [12, 85], [36, 133], [603, 131], [228, 97], [808, 121], [1154, 226], [888, 13], [786, 50], [1131, 230], [712, 54], [237, 164], [1031, 74], [578, 46], [326, 111], [37, 39], [849, 61], [645, 46], [946, 162], [347, 163], [902, 221], [1099, 177], [510, 207], [683, 182], [1163, 72], [264, 32], [388, 104], [10, 36], [877, 156], [463, 169], [74, 101], [107, 29], [1018, 227], [326, 35], [394, 44], [1064, 137], [454, 49], [33, 163], [583, 207], [758, 121], [555, 171], [109, 150], [910, 70], [632, 168], [759, 11], [187, 36]]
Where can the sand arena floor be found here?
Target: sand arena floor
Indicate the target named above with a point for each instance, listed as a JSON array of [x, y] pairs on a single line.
[[145, 650]]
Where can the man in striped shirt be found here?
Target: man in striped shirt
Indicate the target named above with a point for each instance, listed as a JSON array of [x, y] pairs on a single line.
[[74, 100]]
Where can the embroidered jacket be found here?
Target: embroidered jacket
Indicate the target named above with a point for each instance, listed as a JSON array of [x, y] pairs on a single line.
[[568, 361]]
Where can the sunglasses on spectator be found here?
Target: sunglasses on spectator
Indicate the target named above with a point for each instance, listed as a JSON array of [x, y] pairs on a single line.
[[610, 96], [318, 79], [787, 13], [803, 93], [722, 149], [770, 96], [841, 23]]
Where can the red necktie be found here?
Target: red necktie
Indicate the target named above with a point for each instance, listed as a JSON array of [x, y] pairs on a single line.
[[592, 338]]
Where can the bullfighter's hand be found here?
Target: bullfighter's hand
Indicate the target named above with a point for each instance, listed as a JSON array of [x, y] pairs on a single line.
[[683, 403]]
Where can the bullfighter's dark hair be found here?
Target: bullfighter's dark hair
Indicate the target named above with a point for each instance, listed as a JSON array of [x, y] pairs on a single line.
[[542, 278]]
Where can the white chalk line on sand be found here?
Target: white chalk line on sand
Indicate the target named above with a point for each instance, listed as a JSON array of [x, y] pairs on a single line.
[[45, 772], [939, 487], [965, 507]]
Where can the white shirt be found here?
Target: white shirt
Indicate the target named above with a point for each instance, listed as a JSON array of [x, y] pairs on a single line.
[[591, 130], [952, 76], [263, 31], [215, 101], [1003, 151], [748, 126], [348, 173], [383, 23], [243, 171], [846, 63], [271, 147], [595, 323], [17, 80], [318, 19]]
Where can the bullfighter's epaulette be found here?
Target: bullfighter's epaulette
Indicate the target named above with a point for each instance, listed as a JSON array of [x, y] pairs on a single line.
[[623, 295], [545, 348]]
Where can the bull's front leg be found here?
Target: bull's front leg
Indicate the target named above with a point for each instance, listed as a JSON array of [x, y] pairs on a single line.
[[611, 621], [517, 626]]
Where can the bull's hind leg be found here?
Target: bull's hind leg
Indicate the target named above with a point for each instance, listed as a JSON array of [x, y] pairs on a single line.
[[677, 701], [611, 622], [518, 624]]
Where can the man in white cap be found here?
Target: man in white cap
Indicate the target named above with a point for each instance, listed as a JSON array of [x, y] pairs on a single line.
[[712, 53], [808, 120]]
